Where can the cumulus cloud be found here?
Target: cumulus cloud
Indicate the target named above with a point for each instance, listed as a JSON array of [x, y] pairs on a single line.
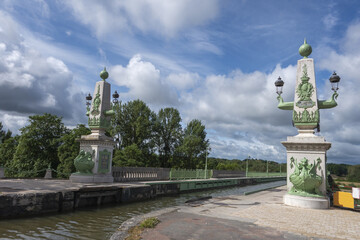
[[144, 82], [166, 18], [29, 82], [183, 81], [343, 121]]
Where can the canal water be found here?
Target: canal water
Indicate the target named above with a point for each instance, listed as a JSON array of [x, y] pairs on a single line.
[[102, 222]]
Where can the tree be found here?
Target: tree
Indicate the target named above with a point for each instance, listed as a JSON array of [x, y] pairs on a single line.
[[4, 135], [130, 156], [337, 169], [38, 146], [136, 124], [354, 173], [69, 149], [7, 151], [168, 134], [7, 146], [194, 144]]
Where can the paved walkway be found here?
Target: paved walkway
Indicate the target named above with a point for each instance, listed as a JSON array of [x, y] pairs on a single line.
[[258, 216]]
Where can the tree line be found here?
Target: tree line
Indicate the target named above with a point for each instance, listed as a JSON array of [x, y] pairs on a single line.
[[143, 139]]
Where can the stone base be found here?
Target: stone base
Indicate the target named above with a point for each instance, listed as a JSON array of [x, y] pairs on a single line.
[[307, 202], [93, 178]]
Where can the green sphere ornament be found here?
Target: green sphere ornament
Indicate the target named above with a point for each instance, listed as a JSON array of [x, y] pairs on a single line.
[[104, 74], [305, 49]]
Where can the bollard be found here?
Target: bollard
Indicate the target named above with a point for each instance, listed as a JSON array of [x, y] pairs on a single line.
[[48, 173], [2, 172]]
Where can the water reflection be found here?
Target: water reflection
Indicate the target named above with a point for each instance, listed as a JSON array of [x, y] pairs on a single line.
[[101, 223]]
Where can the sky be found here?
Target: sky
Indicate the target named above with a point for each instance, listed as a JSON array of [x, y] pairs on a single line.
[[215, 61]]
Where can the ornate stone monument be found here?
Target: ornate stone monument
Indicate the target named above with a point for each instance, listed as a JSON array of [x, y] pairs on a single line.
[[93, 164], [306, 152]]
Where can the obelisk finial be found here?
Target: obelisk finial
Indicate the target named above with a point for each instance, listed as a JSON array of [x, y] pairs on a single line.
[[104, 74], [305, 49]]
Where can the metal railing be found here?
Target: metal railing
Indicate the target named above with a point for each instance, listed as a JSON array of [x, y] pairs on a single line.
[[266, 174], [183, 174]]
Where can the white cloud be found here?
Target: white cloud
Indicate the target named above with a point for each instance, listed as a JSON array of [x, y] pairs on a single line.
[[330, 20], [144, 82], [183, 81], [166, 18], [31, 83], [13, 122]]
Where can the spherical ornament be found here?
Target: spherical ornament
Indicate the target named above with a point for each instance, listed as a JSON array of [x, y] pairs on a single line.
[[305, 49], [104, 74]]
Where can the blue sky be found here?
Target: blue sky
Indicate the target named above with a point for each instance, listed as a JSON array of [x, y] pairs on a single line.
[[213, 60]]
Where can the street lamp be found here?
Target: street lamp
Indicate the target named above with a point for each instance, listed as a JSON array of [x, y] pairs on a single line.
[[88, 103], [206, 161], [334, 80], [115, 97], [115, 102], [279, 85]]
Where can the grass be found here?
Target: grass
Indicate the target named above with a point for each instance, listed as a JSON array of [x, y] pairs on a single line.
[[135, 232]]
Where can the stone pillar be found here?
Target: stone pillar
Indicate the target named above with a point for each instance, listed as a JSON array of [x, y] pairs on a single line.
[[306, 152], [94, 161]]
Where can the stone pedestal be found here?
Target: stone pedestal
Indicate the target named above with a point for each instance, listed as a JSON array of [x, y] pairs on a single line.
[[313, 148], [306, 202], [101, 149]]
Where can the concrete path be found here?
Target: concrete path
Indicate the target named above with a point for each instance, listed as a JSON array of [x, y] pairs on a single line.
[[258, 216]]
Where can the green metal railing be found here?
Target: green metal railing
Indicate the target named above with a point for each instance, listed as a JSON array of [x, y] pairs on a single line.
[[182, 174], [266, 174]]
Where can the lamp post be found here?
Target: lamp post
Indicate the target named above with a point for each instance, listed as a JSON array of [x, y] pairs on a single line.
[[247, 166], [115, 103], [206, 161], [306, 152]]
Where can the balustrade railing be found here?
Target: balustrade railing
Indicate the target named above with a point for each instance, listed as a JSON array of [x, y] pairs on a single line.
[[183, 174], [129, 174]]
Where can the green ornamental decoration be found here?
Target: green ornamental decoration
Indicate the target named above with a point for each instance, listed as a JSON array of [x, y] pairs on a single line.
[[101, 122], [305, 91], [83, 162], [306, 116], [96, 104], [304, 179], [104, 161]]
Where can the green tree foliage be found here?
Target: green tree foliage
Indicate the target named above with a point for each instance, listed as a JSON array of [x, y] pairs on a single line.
[[4, 134], [168, 134], [338, 169], [130, 156], [69, 149], [7, 146], [7, 151], [38, 146], [136, 125], [354, 173], [194, 145]]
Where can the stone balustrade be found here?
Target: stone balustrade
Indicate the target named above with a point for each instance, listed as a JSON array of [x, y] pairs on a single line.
[[132, 174]]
